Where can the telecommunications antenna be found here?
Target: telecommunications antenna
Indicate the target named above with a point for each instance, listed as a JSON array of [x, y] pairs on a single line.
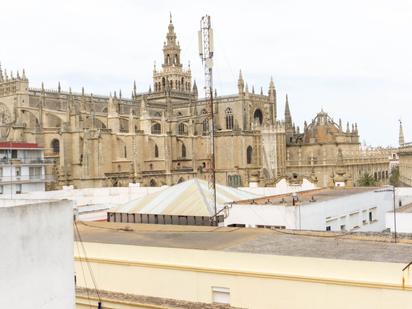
[[205, 36]]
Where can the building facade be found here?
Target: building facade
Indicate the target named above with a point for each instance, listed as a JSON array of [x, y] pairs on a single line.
[[162, 136], [405, 159], [22, 168]]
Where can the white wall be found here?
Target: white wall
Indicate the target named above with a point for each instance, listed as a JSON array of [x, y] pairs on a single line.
[[348, 210], [36, 255], [281, 187], [403, 222], [93, 203]]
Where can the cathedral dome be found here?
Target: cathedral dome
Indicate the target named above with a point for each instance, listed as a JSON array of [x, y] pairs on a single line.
[[322, 129]]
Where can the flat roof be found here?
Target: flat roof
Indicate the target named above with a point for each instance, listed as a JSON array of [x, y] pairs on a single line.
[[19, 145], [330, 245], [305, 197], [407, 208]]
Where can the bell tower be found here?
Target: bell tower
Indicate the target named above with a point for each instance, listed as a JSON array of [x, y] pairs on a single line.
[[171, 48], [172, 76]]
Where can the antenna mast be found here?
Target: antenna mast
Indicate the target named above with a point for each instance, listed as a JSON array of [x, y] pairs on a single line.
[[205, 36]]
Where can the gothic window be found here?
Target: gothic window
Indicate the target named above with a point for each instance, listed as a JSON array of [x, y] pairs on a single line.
[[258, 116], [153, 183], [182, 129], [156, 151], [183, 151], [163, 82], [156, 128], [229, 119], [205, 126], [55, 145], [249, 154], [181, 179]]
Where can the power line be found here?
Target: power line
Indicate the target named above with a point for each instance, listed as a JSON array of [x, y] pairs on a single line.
[[88, 265]]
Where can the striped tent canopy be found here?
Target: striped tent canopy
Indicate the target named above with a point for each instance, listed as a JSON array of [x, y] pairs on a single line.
[[189, 198]]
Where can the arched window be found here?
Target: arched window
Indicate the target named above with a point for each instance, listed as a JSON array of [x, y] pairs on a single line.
[[163, 82], [182, 129], [156, 151], [124, 152], [258, 116], [229, 118], [156, 128], [181, 179], [55, 145], [153, 183], [205, 127], [183, 151], [249, 155]]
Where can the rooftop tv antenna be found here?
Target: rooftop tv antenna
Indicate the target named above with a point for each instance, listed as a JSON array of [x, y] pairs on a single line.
[[205, 36]]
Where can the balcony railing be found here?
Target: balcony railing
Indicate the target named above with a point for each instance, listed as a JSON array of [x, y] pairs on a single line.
[[8, 161], [25, 179]]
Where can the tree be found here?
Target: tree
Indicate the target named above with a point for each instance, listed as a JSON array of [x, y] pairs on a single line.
[[367, 180], [394, 178]]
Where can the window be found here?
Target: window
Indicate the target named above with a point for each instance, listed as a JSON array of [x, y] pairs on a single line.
[[258, 117], [1, 189], [205, 127], [343, 227], [156, 151], [328, 228], [124, 152], [182, 129], [183, 151], [153, 183], [220, 295], [370, 216], [18, 188], [156, 128], [229, 118], [55, 145], [249, 154], [14, 154], [35, 172], [18, 171], [234, 181]]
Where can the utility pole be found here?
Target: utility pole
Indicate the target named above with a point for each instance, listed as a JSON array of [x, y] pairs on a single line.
[[205, 36]]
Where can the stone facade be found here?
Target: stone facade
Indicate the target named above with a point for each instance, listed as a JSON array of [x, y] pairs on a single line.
[[161, 136], [330, 155], [405, 159]]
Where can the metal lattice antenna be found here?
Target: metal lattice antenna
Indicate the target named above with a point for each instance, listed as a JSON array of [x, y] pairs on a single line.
[[205, 36]]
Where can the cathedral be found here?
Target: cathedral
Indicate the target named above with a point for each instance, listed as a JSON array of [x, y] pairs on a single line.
[[161, 137]]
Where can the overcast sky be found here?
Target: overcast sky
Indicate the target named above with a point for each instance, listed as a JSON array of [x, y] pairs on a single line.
[[353, 57]]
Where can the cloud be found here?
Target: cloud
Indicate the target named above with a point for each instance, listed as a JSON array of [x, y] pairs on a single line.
[[352, 58]]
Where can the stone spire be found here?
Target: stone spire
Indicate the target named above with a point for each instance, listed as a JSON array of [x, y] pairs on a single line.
[[401, 136], [240, 83], [134, 89], [194, 90], [288, 116]]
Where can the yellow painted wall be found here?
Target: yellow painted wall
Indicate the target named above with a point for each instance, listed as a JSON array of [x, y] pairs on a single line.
[[255, 281]]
